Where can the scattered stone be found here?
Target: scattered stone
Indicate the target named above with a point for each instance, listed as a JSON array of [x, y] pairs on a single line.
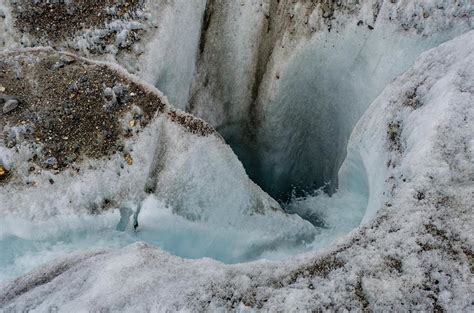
[[4, 173], [118, 90], [56, 20], [70, 159], [69, 124], [66, 59], [51, 162], [10, 105], [420, 196], [73, 87], [109, 93], [128, 158], [10, 139], [58, 65]]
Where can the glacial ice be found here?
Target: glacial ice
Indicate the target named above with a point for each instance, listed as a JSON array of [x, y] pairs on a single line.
[[298, 117], [418, 229], [203, 202]]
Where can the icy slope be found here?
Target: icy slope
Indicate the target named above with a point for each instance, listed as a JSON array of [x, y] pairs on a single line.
[[87, 143], [415, 146]]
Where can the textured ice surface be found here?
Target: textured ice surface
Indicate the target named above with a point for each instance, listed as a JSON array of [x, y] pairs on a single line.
[[294, 77], [287, 81], [204, 203], [284, 82], [414, 252]]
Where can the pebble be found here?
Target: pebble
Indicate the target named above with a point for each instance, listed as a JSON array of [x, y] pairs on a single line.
[[51, 162], [73, 87], [10, 105], [3, 171], [70, 159], [10, 140], [110, 98], [63, 61], [108, 93], [66, 59], [118, 90], [58, 65]]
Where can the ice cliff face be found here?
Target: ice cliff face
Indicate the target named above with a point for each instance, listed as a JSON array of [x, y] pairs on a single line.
[[414, 144], [286, 81]]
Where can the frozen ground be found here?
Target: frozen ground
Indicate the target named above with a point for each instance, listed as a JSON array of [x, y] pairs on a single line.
[[288, 85]]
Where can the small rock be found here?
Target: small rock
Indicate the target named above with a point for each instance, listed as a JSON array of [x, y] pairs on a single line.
[[327, 14], [83, 79], [109, 93], [10, 139], [70, 159], [3, 171], [73, 87], [58, 65], [128, 158], [66, 59], [51, 162], [137, 112], [110, 98], [10, 105], [119, 90]]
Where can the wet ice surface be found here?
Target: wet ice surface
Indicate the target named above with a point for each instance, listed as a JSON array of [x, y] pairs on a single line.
[[26, 245]]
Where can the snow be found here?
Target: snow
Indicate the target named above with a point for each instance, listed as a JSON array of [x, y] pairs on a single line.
[[413, 251]]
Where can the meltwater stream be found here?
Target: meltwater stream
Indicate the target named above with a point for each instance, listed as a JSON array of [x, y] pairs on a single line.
[[26, 245]]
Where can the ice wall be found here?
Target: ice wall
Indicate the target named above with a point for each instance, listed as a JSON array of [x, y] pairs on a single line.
[[309, 72], [169, 58]]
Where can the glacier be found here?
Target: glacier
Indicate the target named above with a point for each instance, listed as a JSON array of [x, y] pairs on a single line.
[[325, 162]]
